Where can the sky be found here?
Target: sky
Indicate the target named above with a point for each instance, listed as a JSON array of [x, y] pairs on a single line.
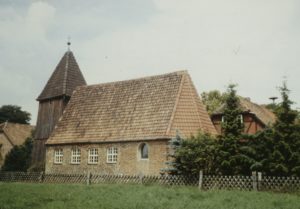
[[253, 43]]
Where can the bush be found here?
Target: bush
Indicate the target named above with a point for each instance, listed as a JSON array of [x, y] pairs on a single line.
[[19, 157]]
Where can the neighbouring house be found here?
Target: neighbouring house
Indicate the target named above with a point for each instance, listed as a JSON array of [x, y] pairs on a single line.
[[124, 127], [255, 117], [52, 102], [12, 134]]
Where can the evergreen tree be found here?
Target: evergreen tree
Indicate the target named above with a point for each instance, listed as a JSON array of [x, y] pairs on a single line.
[[260, 149], [233, 151], [285, 158], [232, 125], [172, 163], [19, 157]]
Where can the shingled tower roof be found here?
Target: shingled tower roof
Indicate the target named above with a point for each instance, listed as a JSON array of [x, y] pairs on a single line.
[[65, 78], [141, 109]]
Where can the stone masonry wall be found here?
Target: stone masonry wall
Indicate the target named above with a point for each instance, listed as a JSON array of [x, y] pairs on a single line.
[[129, 161]]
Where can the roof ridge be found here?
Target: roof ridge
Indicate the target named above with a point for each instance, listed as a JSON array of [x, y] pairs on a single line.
[[66, 72], [180, 72], [194, 96], [175, 105]]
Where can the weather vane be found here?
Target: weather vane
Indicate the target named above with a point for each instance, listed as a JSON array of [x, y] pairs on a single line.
[[69, 42]]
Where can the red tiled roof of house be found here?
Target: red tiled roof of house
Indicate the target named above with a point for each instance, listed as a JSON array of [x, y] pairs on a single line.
[[266, 116], [15, 132]]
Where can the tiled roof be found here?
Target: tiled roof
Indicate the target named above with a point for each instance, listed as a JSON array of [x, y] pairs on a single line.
[[146, 108], [65, 78], [15, 132], [266, 116]]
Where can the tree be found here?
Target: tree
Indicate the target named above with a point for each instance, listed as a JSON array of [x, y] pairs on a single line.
[[232, 125], [13, 113], [260, 149], [232, 150], [1, 157], [285, 157], [195, 154], [213, 100], [172, 164], [19, 157], [272, 106]]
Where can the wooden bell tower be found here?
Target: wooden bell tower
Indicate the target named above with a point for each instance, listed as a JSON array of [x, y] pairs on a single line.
[[52, 102]]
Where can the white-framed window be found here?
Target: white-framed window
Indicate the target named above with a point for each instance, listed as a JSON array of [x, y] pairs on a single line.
[[223, 119], [75, 156], [58, 156], [93, 156], [241, 118], [143, 151], [112, 155]]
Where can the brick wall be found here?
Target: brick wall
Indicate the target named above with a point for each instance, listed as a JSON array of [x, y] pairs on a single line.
[[129, 161]]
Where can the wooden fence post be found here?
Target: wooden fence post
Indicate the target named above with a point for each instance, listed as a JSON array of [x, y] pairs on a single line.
[[41, 177], [141, 176], [259, 175], [200, 179], [254, 180], [88, 179]]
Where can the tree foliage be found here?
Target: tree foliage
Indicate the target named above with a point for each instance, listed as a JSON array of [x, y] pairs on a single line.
[[19, 157], [13, 113], [212, 100], [285, 157], [1, 157], [195, 154], [232, 157], [273, 151]]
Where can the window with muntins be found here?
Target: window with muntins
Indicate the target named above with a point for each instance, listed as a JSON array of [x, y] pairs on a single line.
[[144, 151], [58, 156], [93, 157], [75, 156], [241, 118], [112, 155]]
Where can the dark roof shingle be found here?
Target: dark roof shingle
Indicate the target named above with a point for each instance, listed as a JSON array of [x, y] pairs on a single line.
[[65, 78]]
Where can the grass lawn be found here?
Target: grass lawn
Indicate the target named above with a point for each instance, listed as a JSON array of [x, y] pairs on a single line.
[[55, 196]]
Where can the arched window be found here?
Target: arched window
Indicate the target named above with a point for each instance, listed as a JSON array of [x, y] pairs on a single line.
[[144, 151]]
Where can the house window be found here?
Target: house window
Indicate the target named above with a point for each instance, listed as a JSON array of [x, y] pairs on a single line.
[[144, 151], [75, 156], [93, 156], [112, 155], [240, 118], [58, 156]]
